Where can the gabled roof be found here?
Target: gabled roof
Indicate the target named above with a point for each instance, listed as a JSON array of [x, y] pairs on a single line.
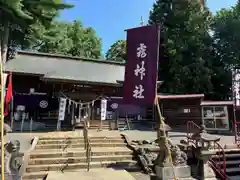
[[59, 67]]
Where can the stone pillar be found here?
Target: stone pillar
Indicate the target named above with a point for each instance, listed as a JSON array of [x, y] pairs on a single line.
[[205, 172]]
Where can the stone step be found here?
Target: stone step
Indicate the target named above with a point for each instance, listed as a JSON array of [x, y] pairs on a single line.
[[227, 156], [233, 177], [79, 145], [39, 175], [98, 126], [66, 167], [71, 160], [74, 141], [76, 138], [232, 170], [34, 175], [230, 162], [154, 177], [80, 152], [226, 151]]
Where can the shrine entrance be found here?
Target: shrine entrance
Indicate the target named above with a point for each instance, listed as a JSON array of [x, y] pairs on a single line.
[[33, 112]]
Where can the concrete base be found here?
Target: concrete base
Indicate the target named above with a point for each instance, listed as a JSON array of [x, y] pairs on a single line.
[[166, 173], [208, 173]]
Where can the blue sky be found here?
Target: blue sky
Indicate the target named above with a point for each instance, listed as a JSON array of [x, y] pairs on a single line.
[[110, 18]]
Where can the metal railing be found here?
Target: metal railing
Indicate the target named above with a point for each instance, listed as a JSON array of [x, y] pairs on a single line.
[[87, 145], [218, 163]]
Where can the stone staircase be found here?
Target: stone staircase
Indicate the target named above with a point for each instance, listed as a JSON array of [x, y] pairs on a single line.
[[95, 124], [123, 124], [232, 163], [105, 126], [64, 154]]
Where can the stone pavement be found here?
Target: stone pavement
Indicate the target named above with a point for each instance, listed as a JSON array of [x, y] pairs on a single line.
[[152, 135], [25, 138], [93, 174]]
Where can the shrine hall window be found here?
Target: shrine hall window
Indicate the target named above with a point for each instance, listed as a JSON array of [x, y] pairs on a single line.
[[215, 117]]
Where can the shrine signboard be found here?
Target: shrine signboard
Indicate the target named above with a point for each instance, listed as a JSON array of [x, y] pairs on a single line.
[[142, 65], [236, 87]]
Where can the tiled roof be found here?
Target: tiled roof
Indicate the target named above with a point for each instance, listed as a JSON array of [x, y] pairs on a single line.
[[59, 67]]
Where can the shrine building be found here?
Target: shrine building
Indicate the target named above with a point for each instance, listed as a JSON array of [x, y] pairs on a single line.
[[39, 80]]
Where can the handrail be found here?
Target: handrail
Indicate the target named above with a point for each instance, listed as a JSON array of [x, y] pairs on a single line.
[[213, 165], [220, 154], [219, 157], [87, 145]]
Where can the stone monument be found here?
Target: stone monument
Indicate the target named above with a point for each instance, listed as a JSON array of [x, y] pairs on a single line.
[[170, 167], [13, 158]]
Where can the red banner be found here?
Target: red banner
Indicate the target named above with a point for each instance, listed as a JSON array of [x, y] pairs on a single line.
[[142, 65]]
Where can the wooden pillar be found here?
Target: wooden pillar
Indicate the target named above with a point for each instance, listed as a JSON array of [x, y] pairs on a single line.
[[80, 111], [89, 114], [73, 114]]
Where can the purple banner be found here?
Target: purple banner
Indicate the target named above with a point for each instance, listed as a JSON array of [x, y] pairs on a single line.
[[142, 65]]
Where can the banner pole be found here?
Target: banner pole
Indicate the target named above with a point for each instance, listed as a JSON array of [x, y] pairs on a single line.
[[161, 118]]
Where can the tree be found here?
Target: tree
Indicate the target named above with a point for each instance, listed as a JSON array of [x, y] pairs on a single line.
[[68, 39], [186, 45], [18, 15], [225, 27], [117, 51]]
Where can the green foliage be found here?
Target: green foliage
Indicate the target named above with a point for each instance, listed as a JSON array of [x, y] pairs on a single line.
[[117, 51], [185, 66], [225, 27], [25, 12], [19, 17], [65, 38]]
